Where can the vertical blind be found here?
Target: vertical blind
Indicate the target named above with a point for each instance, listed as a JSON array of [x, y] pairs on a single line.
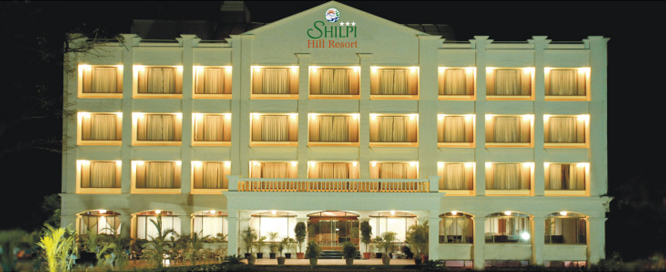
[[101, 80], [158, 127], [159, 80], [210, 175]]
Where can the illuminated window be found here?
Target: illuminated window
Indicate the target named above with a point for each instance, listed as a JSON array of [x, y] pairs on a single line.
[[566, 82], [566, 228], [101, 80], [210, 223], [455, 130], [210, 128], [333, 128], [99, 221], [160, 80], [456, 82], [333, 170], [145, 228], [334, 82], [99, 174], [212, 81], [508, 176], [508, 228], [157, 175], [280, 223], [273, 169], [398, 222], [456, 176], [394, 170], [393, 129], [565, 176], [211, 175], [394, 81], [508, 130], [456, 227], [511, 83], [274, 128], [563, 130], [274, 81], [100, 128], [159, 127]]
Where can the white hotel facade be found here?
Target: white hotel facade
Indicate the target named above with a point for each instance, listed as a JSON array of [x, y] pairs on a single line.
[[500, 146]]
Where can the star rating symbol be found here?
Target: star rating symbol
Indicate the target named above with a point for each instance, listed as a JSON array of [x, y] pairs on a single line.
[[342, 23], [347, 24], [353, 24]]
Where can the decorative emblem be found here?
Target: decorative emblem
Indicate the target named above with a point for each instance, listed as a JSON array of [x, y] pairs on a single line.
[[332, 15]]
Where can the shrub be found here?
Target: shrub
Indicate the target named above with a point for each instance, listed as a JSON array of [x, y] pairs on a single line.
[[313, 251]]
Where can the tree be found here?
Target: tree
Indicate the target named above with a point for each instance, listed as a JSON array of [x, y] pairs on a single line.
[[301, 232], [366, 234], [10, 240], [159, 245], [58, 244]]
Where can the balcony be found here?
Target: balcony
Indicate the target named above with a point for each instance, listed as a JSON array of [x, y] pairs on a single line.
[[283, 185]]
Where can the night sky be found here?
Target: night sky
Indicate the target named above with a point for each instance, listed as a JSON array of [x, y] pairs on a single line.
[[29, 171]]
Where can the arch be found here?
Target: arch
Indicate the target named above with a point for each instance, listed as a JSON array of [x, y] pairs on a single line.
[[329, 213], [566, 228], [456, 227], [508, 227], [211, 224], [393, 221], [102, 221]]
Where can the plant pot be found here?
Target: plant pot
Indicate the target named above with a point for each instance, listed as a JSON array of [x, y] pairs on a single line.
[[313, 262], [287, 255], [260, 255], [281, 260], [272, 255], [300, 255], [379, 255], [386, 260], [247, 255], [251, 260], [366, 255], [417, 260], [349, 261], [424, 257]]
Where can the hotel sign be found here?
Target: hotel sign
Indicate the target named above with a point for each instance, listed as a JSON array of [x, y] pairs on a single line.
[[329, 36]]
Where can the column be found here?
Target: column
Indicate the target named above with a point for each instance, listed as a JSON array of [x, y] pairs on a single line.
[[236, 82], [185, 224], [125, 225], [598, 151], [303, 94], [364, 110], [596, 243], [232, 235], [480, 42], [479, 247], [540, 45], [245, 83], [188, 42], [131, 41], [428, 99], [538, 232], [433, 237]]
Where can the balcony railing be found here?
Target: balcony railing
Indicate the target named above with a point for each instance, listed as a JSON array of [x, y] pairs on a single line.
[[239, 184]]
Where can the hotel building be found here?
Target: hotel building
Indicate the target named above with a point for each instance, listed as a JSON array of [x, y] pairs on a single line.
[[334, 118]]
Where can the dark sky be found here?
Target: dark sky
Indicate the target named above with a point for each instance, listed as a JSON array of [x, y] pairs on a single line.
[[635, 59]]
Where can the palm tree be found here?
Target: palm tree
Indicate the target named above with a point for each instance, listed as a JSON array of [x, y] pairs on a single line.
[[195, 245], [94, 243], [58, 244], [120, 244], [9, 240], [159, 243]]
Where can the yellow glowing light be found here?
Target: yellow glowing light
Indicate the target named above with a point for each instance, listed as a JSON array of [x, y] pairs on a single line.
[[197, 163], [413, 69], [140, 67], [581, 164], [355, 116], [102, 211], [490, 69], [468, 117], [314, 68], [527, 70], [412, 164], [489, 116], [546, 164], [440, 117], [293, 115], [84, 162], [373, 116], [179, 163], [489, 164], [139, 162], [441, 69], [179, 68], [413, 116], [583, 118], [139, 115], [392, 212], [454, 212], [547, 69], [313, 116], [118, 163], [527, 117], [373, 69], [373, 164], [212, 211], [227, 163], [469, 69], [563, 213], [507, 213], [120, 114], [228, 68], [354, 163], [257, 68], [468, 164], [256, 163], [312, 163], [294, 68], [440, 164], [255, 115], [158, 211], [85, 114], [294, 163], [355, 68], [85, 67], [273, 212], [227, 115]]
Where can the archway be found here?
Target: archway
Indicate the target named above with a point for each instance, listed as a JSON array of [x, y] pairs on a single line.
[[331, 229]]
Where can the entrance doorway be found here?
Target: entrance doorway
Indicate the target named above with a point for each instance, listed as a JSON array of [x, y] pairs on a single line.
[[332, 229]]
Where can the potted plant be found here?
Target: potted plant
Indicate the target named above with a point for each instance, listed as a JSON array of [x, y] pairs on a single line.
[[258, 245], [280, 247], [248, 236], [273, 246], [301, 232], [289, 246], [417, 237], [313, 252], [349, 252], [387, 245], [366, 238], [378, 241]]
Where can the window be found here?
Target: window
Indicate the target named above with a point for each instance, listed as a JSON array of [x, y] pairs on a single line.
[[99, 174], [210, 223], [456, 175], [565, 131], [508, 227], [509, 83], [508, 131], [394, 170], [398, 222], [333, 170], [393, 129], [273, 169], [212, 129], [333, 129], [566, 83], [509, 177], [456, 83], [387, 82], [329, 82], [275, 82], [212, 82], [100, 81], [160, 129], [156, 82], [566, 176], [210, 175], [281, 223], [145, 229], [455, 130], [156, 175], [100, 128], [276, 129], [566, 228], [99, 221], [456, 227]]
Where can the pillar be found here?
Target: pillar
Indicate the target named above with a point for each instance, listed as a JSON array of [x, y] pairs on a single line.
[[232, 235], [433, 237], [540, 45], [479, 247], [188, 42], [596, 233], [538, 232], [126, 150], [185, 224], [364, 109], [125, 225], [479, 43], [303, 95]]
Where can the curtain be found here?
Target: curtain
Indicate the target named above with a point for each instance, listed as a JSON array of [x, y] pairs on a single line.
[[275, 170], [275, 128], [334, 170], [161, 80], [102, 174], [160, 175], [448, 221], [563, 82], [276, 81], [393, 82], [393, 171], [212, 128], [454, 176], [160, 127], [146, 229], [506, 176], [103, 127], [454, 129], [507, 82], [334, 129], [104, 80], [507, 129], [463, 223], [213, 81], [213, 175], [562, 130], [564, 177], [392, 129], [335, 81], [454, 82], [209, 225]]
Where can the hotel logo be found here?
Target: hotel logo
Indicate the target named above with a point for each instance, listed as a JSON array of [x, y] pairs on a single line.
[[319, 30], [332, 15]]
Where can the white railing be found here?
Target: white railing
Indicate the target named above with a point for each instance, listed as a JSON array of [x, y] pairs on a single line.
[[239, 184]]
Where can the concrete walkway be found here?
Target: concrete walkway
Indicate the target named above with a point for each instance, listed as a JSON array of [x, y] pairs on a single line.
[[374, 261]]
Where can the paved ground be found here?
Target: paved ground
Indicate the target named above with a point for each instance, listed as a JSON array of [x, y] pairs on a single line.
[[399, 262]]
